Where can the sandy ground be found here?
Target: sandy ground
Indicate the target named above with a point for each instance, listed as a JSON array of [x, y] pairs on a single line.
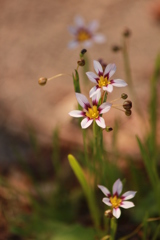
[[34, 39]]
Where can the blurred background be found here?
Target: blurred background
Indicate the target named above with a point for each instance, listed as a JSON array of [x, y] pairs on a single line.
[[34, 41]]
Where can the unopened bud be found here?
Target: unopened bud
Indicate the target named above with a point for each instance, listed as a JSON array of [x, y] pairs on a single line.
[[81, 62], [82, 53], [127, 33], [128, 113], [108, 129], [116, 48], [127, 105], [108, 213], [42, 81], [124, 96]]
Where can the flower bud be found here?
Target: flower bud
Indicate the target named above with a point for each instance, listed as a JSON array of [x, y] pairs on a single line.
[[127, 105], [127, 33], [108, 129], [124, 96], [42, 81], [82, 53], [108, 213], [116, 48], [81, 62], [128, 113]]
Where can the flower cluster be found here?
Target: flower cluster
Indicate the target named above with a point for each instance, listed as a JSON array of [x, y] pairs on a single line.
[[114, 200], [104, 83]]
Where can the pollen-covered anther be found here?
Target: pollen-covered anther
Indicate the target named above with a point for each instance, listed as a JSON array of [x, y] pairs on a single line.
[[127, 105], [128, 113], [42, 81], [124, 96]]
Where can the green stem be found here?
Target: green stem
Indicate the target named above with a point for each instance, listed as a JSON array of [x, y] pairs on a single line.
[[113, 228]]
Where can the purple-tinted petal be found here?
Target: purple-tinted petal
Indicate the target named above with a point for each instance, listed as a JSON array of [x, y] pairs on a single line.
[[108, 88], [79, 21], [86, 122], [76, 113], [116, 212], [93, 26], [98, 68], [92, 77], [106, 201], [127, 204], [83, 101], [104, 190], [104, 107], [73, 44], [110, 70], [100, 122], [128, 195], [93, 91], [96, 97], [119, 83], [99, 38], [117, 187]]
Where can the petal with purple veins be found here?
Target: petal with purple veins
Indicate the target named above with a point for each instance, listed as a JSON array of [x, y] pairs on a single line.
[[110, 70], [116, 212], [100, 122], [86, 122], [104, 190], [117, 187], [76, 113], [98, 68], [119, 83], [92, 77]]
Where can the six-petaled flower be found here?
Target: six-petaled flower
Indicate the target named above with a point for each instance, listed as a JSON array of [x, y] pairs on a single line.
[[84, 34], [114, 200], [102, 78], [91, 112]]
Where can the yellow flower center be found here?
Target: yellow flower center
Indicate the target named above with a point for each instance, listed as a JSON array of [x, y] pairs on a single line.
[[103, 81], [83, 35], [115, 201], [92, 113]]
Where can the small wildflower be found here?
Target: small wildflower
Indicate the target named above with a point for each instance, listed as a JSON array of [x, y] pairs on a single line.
[[91, 113], [85, 35], [115, 201], [102, 78]]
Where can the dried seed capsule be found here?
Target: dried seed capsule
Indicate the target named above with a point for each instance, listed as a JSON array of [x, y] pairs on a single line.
[[42, 81], [127, 105], [81, 62], [124, 96], [128, 112], [82, 52], [109, 129], [127, 33], [116, 48], [108, 213]]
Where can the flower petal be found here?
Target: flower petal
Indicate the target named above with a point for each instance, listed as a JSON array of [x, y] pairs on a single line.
[[119, 83], [106, 201], [108, 88], [99, 38], [83, 101], [128, 195], [116, 212], [100, 122], [98, 68], [76, 113], [72, 30], [96, 96], [72, 44], [117, 187], [110, 70], [87, 43], [104, 190], [92, 77], [79, 21], [93, 26], [93, 91], [127, 204], [104, 107], [86, 122]]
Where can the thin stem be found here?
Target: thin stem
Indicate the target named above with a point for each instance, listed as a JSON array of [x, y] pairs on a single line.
[[113, 228], [59, 75]]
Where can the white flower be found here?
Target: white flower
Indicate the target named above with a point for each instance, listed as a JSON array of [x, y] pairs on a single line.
[[102, 78], [115, 201], [90, 113], [84, 34]]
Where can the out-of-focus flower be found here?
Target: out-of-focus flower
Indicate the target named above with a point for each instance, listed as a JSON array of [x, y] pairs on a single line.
[[102, 78], [85, 34], [91, 113], [115, 201]]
